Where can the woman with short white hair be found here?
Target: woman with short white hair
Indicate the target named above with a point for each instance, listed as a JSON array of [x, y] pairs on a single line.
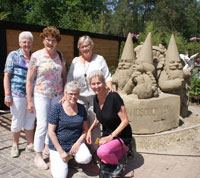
[[15, 73], [67, 128], [79, 70]]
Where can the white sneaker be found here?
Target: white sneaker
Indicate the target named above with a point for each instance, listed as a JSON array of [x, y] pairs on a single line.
[[29, 148], [14, 151]]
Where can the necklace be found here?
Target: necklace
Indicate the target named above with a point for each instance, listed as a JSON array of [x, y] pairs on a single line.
[[86, 69], [85, 74]]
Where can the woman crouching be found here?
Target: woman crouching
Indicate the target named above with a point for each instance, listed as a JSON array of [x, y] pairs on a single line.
[[67, 128]]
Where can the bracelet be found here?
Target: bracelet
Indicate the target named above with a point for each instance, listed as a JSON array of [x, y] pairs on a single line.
[[8, 98], [62, 152]]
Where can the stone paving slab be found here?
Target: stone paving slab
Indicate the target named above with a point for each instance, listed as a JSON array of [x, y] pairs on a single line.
[[144, 165]]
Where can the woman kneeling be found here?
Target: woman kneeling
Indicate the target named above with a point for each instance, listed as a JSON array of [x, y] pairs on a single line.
[[67, 128]]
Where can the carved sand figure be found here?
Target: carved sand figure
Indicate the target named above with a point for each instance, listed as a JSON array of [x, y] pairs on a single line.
[[143, 77], [158, 59], [172, 78], [151, 111], [125, 66], [189, 61]]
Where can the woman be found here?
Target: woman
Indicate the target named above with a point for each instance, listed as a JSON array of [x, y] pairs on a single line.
[[67, 128], [48, 69], [15, 92], [80, 68], [110, 112]]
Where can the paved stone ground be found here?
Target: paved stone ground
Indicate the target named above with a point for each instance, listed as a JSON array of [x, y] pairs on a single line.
[[144, 165]]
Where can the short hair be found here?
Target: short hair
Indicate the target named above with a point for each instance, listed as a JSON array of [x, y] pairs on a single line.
[[86, 39], [25, 34], [96, 73], [73, 85], [51, 31]]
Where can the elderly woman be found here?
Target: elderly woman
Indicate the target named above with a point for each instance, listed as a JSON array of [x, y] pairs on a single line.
[[80, 68], [15, 92], [67, 128], [48, 68], [110, 112]]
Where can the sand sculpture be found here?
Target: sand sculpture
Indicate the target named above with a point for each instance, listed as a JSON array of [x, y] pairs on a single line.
[[189, 61], [173, 78], [152, 82]]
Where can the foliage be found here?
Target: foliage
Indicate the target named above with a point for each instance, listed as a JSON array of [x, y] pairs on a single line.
[[4, 15], [114, 17], [46, 12], [13, 9], [194, 46], [194, 91]]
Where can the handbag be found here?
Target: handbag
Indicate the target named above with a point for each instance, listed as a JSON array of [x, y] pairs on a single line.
[[113, 171]]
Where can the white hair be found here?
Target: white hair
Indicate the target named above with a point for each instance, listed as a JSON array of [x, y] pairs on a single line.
[[96, 73], [25, 34], [86, 39], [73, 85]]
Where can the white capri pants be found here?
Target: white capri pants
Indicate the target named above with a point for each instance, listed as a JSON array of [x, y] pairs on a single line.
[[59, 169], [43, 106], [21, 117]]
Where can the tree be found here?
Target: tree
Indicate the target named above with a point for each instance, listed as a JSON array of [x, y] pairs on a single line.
[[12, 10], [81, 14], [44, 12]]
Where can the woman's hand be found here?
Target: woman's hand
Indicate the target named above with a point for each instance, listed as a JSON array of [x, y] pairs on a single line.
[[89, 137], [30, 107], [64, 156], [110, 89], [75, 148], [104, 140], [63, 99], [8, 101]]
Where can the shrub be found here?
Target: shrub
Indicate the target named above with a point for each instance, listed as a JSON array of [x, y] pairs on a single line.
[[194, 92]]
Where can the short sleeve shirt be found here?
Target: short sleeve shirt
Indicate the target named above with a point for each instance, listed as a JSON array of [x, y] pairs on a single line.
[[68, 128], [109, 118], [78, 71], [17, 66], [48, 80]]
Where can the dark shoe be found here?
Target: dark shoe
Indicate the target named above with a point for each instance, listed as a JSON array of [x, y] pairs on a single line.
[[73, 164]]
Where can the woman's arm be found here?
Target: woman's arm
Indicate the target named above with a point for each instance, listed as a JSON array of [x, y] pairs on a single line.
[[63, 75], [7, 89], [29, 87], [81, 139], [124, 122], [109, 85], [94, 124], [52, 135]]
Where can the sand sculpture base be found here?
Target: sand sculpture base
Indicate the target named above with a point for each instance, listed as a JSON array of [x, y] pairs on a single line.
[[153, 115]]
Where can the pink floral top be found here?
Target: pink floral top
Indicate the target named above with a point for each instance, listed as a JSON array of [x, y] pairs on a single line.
[[48, 80]]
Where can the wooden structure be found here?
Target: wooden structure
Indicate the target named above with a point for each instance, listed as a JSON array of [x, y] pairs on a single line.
[[105, 45]]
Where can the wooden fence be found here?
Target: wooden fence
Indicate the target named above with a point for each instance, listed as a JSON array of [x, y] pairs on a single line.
[[105, 45]]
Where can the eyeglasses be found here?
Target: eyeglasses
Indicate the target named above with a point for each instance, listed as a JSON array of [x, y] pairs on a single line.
[[85, 46], [73, 94], [50, 40], [26, 42]]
